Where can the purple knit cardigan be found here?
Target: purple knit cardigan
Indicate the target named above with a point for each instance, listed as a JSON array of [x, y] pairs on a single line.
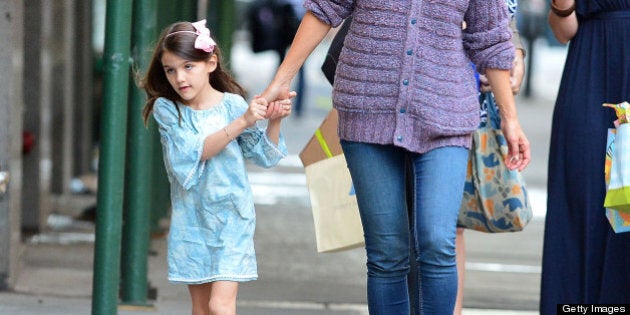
[[404, 75]]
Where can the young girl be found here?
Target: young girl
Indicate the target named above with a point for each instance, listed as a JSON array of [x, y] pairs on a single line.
[[207, 131]]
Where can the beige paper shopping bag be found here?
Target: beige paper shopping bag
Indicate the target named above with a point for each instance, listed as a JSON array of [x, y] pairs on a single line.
[[334, 205]]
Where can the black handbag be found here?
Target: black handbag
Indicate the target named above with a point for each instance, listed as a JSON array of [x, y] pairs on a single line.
[[329, 67]]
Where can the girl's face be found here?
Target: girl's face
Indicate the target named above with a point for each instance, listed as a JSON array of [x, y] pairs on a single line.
[[190, 79]]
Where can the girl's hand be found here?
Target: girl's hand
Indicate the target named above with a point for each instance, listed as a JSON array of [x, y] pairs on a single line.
[[256, 111], [280, 108]]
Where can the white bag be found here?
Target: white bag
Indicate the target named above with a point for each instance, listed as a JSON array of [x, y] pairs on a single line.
[[334, 205]]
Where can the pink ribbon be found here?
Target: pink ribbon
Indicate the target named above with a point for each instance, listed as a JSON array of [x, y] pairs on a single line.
[[203, 41]]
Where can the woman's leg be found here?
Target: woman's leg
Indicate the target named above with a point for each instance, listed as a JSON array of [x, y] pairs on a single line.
[[413, 279], [439, 182], [460, 252], [378, 175], [214, 298]]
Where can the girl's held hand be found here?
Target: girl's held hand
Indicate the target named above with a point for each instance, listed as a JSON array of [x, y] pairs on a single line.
[[280, 108], [519, 154], [257, 110]]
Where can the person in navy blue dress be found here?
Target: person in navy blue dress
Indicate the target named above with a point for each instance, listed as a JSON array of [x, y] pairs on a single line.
[[584, 261]]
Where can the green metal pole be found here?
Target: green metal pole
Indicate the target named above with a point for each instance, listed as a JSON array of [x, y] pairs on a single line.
[[188, 10], [137, 209], [111, 171], [221, 21], [226, 29], [160, 191]]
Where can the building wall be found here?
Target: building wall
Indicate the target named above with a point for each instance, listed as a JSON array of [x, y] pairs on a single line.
[[11, 106], [46, 91]]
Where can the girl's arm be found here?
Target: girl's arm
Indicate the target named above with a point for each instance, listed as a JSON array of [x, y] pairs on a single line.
[[519, 154], [308, 36], [273, 130], [216, 142], [563, 27], [278, 110]]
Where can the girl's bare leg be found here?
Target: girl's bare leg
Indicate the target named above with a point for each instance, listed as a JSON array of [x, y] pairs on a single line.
[[214, 298], [200, 296], [223, 298]]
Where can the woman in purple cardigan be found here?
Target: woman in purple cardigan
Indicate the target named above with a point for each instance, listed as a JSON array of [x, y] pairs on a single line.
[[405, 91]]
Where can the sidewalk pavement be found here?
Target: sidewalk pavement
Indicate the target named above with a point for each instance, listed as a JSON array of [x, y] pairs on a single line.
[[56, 280], [56, 267]]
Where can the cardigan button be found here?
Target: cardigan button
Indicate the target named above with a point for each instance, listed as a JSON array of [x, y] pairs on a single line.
[[405, 82], [414, 21], [399, 138]]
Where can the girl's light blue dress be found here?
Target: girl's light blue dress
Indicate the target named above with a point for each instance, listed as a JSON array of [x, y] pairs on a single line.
[[211, 235]]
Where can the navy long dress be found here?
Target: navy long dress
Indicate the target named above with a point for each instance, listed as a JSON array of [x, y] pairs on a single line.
[[584, 261]]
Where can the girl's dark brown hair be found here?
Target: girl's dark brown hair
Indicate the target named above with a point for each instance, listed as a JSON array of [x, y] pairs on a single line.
[[181, 44]]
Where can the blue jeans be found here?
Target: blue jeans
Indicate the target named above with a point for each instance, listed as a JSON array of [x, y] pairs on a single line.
[[378, 175]]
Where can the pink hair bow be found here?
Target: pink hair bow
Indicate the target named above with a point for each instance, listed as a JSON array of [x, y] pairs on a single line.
[[203, 41]]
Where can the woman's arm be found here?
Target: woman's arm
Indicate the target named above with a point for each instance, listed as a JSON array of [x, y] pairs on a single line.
[[563, 27], [518, 67], [519, 154], [308, 36]]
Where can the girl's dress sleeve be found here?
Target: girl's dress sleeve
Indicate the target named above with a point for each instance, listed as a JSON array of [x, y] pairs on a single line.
[[254, 143], [182, 146], [258, 148]]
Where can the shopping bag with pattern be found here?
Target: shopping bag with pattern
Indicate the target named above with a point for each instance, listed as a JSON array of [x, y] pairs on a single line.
[[495, 198], [618, 190], [619, 221]]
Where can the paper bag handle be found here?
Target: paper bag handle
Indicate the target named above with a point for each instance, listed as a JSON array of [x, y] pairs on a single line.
[[322, 142]]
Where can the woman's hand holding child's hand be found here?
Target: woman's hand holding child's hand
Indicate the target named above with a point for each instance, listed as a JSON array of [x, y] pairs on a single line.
[[260, 109]]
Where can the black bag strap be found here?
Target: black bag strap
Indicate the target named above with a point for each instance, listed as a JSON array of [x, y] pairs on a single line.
[[329, 67]]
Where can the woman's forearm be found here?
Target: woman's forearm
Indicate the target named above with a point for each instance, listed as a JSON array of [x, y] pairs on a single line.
[[308, 36], [562, 20], [502, 90]]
